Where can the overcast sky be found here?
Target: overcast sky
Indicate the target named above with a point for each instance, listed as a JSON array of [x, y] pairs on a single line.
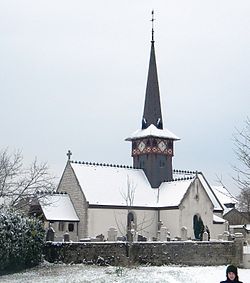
[[73, 76]]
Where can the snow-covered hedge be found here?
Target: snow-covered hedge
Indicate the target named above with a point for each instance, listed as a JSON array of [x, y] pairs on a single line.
[[21, 241]]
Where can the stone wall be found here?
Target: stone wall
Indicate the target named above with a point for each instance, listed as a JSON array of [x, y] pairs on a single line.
[[155, 253]]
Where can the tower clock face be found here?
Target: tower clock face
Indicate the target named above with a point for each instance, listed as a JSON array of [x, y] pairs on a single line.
[[162, 146], [141, 146]]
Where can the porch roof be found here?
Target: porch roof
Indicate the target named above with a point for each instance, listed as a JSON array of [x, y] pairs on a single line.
[[58, 207]]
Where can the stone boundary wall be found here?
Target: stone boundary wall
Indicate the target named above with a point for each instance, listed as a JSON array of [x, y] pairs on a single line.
[[154, 253]]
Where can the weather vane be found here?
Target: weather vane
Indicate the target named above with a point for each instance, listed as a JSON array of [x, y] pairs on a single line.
[[152, 20]]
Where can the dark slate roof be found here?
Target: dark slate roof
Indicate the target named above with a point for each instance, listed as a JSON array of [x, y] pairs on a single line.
[[152, 106]]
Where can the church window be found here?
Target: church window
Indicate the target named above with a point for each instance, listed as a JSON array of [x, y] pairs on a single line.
[[71, 227], [61, 226]]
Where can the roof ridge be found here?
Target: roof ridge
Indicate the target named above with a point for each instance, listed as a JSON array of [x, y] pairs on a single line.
[[175, 171], [178, 171], [180, 179], [103, 164], [50, 193]]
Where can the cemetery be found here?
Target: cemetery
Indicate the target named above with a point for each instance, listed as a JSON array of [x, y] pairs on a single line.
[[164, 251]]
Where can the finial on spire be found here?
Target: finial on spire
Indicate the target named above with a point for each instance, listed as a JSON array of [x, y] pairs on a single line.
[[152, 20], [69, 153]]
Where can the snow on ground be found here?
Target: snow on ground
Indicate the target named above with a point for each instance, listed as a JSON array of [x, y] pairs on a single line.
[[48, 273]]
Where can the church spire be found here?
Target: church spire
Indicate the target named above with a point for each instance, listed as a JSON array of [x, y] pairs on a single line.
[[152, 106], [153, 146]]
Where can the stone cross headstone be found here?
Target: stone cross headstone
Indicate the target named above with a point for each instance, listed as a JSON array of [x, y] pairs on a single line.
[[112, 234], [184, 233]]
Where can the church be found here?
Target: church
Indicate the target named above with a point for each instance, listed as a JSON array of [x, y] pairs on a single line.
[[139, 200]]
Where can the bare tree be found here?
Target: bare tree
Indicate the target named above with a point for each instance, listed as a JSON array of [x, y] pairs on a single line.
[[18, 184], [130, 194], [242, 178], [126, 228]]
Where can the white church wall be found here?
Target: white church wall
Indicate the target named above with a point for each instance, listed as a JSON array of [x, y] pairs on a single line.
[[102, 219], [64, 228], [170, 220], [69, 184], [196, 202]]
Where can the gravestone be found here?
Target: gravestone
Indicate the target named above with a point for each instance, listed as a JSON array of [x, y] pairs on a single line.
[[141, 238], [112, 234], [50, 236], [134, 235], [239, 237], [100, 237], [205, 236], [163, 233], [129, 236], [184, 233], [168, 236], [66, 237], [225, 236]]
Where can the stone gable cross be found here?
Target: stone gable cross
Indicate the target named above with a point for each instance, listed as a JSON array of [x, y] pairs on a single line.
[[69, 153]]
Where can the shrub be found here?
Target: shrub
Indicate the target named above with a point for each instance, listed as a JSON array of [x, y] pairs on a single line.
[[21, 241]]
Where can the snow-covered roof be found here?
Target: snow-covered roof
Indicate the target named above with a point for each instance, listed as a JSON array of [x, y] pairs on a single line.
[[112, 185], [224, 197], [172, 193], [152, 131], [218, 219], [239, 226], [216, 203], [106, 185], [58, 207], [247, 227]]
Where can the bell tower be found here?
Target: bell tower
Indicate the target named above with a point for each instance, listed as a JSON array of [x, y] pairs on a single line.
[[152, 145]]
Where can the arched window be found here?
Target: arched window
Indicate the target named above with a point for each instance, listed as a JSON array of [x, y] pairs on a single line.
[[71, 227], [198, 227], [61, 226]]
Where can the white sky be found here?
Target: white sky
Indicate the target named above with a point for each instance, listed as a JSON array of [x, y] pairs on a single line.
[[73, 76]]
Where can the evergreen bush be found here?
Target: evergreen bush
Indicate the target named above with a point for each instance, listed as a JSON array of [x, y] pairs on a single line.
[[21, 241]]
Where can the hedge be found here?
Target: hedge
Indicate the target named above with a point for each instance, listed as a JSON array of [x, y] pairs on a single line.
[[21, 241]]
